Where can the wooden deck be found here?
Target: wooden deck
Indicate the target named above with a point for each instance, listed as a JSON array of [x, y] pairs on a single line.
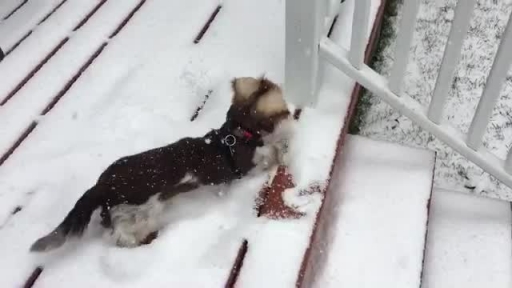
[[62, 59]]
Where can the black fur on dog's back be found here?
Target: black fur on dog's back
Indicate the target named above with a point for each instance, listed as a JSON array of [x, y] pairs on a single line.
[[134, 179]]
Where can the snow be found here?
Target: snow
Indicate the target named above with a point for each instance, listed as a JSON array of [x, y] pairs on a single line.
[[379, 224], [41, 42], [110, 112], [195, 250], [21, 22], [6, 7], [469, 242], [329, 113], [23, 108], [453, 171], [138, 94], [312, 151]]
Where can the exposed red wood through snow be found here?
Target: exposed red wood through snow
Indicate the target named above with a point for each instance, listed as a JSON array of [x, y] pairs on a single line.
[[207, 24], [273, 205], [198, 38], [125, 21], [19, 42], [15, 10], [33, 71], [16, 144], [16, 210], [70, 83], [32, 30], [52, 11], [272, 202], [237, 265], [89, 15], [306, 273], [201, 106], [49, 56], [428, 221], [31, 280], [73, 79]]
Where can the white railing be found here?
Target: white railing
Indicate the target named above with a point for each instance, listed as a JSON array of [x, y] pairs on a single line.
[[301, 85], [307, 21]]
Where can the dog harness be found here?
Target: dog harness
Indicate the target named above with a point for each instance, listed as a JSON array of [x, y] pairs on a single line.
[[229, 138]]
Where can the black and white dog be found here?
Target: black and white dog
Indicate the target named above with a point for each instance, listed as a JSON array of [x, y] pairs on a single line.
[[132, 192]]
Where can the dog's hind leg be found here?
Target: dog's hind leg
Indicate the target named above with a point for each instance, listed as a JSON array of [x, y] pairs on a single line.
[[132, 225]]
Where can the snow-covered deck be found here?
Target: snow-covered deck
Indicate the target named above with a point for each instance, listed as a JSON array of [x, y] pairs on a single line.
[[85, 82]]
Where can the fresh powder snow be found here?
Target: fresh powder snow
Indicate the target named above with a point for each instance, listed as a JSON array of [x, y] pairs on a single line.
[[381, 191]]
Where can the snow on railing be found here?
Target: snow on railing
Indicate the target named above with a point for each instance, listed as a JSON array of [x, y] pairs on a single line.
[[306, 45], [306, 22]]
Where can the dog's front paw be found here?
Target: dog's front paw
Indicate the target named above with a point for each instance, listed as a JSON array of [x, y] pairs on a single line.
[[264, 158], [124, 239], [127, 241], [284, 159], [282, 153]]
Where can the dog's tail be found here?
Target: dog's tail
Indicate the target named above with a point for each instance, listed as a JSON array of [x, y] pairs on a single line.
[[74, 224]]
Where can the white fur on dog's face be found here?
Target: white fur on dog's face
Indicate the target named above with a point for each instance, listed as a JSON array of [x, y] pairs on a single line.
[[269, 104], [244, 87]]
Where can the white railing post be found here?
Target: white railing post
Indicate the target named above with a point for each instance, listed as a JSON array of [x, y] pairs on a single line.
[[304, 26], [359, 32], [403, 44], [453, 49], [508, 161], [492, 89]]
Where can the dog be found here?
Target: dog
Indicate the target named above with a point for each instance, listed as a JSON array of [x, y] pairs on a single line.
[[133, 191]]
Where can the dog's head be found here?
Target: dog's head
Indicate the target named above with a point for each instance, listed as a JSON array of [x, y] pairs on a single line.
[[258, 104]]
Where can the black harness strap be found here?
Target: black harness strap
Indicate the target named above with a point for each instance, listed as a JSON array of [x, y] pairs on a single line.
[[229, 138]]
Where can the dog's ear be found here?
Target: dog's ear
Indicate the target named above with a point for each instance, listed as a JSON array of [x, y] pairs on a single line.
[[270, 101], [243, 89]]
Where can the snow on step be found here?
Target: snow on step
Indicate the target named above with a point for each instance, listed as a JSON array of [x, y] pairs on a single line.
[[469, 242], [378, 230], [17, 114], [40, 43], [16, 26]]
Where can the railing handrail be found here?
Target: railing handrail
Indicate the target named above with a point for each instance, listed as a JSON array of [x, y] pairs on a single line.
[[429, 118]]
